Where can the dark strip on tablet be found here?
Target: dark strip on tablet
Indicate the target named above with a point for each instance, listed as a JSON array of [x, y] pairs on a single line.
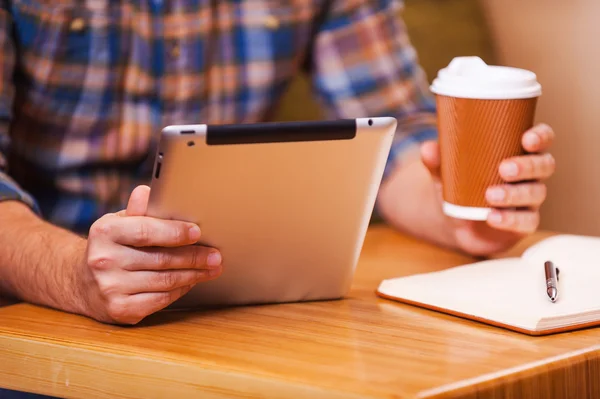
[[281, 132]]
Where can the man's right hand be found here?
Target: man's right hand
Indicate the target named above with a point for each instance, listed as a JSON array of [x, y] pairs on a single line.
[[137, 265]]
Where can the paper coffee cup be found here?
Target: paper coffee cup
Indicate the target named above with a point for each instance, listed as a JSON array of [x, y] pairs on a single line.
[[483, 112]]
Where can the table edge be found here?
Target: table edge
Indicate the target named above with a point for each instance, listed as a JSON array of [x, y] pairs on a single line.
[[291, 388], [521, 372]]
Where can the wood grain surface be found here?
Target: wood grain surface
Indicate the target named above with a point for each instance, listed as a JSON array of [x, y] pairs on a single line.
[[359, 347]]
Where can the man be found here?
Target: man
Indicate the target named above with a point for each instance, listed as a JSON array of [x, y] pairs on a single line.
[[87, 85]]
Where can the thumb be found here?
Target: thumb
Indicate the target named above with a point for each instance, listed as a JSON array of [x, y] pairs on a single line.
[[138, 201], [430, 156]]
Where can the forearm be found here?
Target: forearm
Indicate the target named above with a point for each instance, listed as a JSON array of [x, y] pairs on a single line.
[[409, 202], [38, 260]]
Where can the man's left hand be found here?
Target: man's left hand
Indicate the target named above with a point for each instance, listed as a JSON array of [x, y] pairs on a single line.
[[523, 189]]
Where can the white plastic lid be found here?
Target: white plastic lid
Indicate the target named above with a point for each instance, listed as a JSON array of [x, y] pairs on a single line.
[[471, 77]]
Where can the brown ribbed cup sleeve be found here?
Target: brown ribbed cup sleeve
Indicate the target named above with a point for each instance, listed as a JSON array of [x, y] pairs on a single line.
[[475, 136]]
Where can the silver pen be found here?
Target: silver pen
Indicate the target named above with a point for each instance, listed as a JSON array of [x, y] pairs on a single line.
[[551, 280]]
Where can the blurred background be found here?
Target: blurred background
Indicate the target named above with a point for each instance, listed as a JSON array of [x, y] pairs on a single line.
[[555, 40]]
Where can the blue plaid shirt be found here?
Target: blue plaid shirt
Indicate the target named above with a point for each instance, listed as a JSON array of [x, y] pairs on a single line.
[[86, 86]]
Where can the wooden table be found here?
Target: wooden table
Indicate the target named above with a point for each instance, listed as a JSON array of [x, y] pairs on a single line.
[[360, 347]]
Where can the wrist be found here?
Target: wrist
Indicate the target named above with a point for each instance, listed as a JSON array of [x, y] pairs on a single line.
[[76, 278], [40, 262], [411, 201]]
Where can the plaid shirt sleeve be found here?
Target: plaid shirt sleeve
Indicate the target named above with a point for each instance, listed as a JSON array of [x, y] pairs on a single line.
[[9, 190], [364, 66]]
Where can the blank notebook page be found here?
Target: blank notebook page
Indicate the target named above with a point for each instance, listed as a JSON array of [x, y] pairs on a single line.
[[512, 292]]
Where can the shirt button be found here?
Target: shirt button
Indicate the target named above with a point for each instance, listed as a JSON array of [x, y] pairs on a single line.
[[77, 24], [175, 50], [271, 22]]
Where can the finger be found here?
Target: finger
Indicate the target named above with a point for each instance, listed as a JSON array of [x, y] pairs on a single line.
[[528, 167], [430, 156], [152, 302], [517, 221], [131, 309], [164, 281], [188, 257], [538, 139], [530, 195], [138, 201], [141, 231]]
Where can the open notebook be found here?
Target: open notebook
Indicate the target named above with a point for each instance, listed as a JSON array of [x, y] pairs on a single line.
[[511, 293]]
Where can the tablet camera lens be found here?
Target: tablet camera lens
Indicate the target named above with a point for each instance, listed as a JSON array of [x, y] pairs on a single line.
[[157, 171], [370, 122], [191, 143]]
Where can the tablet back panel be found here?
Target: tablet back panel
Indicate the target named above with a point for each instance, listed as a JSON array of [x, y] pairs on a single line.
[[288, 204]]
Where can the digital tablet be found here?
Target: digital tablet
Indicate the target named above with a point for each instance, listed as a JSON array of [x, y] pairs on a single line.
[[288, 204]]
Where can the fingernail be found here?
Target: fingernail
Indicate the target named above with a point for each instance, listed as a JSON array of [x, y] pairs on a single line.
[[532, 140], [495, 194], [214, 259], [509, 169], [194, 233], [495, 218]]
